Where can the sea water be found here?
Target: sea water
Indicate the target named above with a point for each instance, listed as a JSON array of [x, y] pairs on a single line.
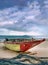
[[3, 37], [13, 37]]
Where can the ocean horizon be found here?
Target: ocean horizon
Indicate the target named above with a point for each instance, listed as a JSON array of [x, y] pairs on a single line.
[[3, 37], [20, 37]]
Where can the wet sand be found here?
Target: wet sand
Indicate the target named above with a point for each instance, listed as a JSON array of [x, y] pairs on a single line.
[[41, 50]]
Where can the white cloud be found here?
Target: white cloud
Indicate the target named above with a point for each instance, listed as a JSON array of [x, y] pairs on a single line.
[[45, 1], [30, 17], [34, 5], [4, 31], [13, 12], [7, 23], [13, 16], [46, 6], [34, 33], [7, 16]]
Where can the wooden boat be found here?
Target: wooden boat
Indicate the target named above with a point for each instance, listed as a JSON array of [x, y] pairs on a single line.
[[22, 45]]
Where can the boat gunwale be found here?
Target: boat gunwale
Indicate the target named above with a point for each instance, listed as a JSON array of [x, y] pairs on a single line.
[[20, 42]]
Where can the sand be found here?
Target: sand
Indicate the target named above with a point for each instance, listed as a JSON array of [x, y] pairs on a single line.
[[5, 53], [41, 50]]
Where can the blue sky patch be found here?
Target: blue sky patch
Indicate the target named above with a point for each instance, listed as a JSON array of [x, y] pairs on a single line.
[[24, 16]]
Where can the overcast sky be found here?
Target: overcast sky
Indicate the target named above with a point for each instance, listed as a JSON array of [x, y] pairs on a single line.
[[24, 17]]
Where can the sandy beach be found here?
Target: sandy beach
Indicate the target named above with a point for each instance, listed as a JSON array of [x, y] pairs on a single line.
[[41, 50], [5, 53]]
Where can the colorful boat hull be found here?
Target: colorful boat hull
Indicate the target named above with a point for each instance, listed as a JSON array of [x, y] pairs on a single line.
[[14, 47], [23, 46]]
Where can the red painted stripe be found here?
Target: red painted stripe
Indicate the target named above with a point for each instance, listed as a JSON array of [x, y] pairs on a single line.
[[25, 46]]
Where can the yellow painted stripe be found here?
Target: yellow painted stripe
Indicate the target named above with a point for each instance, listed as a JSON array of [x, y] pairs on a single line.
[[15, 47]]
